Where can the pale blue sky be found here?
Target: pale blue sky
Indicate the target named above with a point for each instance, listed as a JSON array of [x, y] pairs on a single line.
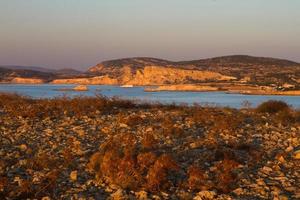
[[81, 33]]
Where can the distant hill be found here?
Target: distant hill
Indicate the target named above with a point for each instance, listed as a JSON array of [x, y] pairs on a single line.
[[9, 73], [256, 70], [140, 62], [235, 69], [32, 68], [42, 69], [242, 59]]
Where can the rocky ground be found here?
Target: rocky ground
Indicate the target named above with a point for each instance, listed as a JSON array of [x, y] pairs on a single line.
[[120, 150]]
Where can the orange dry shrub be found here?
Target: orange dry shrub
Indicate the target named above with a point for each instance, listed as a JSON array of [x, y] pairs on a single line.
[[134, 120], [272, 106], [228, 121], [48, 186], [121, 162], [3, 186], [145, 160], [16, 105], [67, 157], [196, 178], [148, 141], [297, 116], [42, 161], [225, 177], [157, 177]]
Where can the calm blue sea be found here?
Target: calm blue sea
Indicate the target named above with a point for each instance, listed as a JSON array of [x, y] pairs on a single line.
[[137, 93]]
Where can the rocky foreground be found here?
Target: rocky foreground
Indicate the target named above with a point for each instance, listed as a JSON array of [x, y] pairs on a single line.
[[98, 148]]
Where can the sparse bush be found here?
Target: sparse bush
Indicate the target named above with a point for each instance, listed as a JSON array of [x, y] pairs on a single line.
[[297, 116], [272, 107], [196, 178], [148, 141], [130, 168], [225, 177], [17, 105]]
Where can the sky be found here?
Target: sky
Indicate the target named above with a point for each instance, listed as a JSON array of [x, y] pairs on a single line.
[[81, 33]]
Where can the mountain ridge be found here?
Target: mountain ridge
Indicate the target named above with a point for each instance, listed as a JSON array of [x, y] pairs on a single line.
[[144, 71], [225, 59]]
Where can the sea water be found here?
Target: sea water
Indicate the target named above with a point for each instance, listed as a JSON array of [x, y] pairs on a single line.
[[138, 93]]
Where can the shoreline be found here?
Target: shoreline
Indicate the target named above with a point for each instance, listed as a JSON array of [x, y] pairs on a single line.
[[204, 87]]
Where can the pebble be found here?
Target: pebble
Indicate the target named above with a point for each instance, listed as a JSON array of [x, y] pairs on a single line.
[[73, 175]]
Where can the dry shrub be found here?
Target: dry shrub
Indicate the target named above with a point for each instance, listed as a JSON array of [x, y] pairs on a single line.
[[134, 120], [196, 178], [145, 160], [121, 161], [297, 116], [228, 121], [148, 141], [17, 105], [42, 161], [3, 186], [68, 157], [225, 177], [222, 153], [94, 162], [158, 177], [48, 185], [272, 107]]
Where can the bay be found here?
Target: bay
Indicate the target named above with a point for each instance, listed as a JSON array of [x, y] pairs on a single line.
[[138, 93]]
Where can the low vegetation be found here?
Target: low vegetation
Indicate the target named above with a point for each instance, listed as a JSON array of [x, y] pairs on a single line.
[[113, 144]]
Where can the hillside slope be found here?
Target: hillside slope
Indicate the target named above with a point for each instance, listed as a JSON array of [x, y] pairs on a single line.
[[234, 70], [253, 70]]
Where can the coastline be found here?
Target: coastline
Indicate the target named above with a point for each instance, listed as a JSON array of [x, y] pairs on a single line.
[[203, 87], [233, 89]]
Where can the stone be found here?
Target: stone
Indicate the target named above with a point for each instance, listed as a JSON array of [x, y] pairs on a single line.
[[238, 191], [283, 197], [289, 149], [296, 154], [23, 147], [281, 159], [266, 170], [142, 195], [205, 195], [73, 175], [118, 195], [122, 125]]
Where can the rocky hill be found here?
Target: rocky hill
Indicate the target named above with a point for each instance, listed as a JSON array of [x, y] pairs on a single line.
[[254, 70], [32, 75], [233, 70], [26, 75]]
